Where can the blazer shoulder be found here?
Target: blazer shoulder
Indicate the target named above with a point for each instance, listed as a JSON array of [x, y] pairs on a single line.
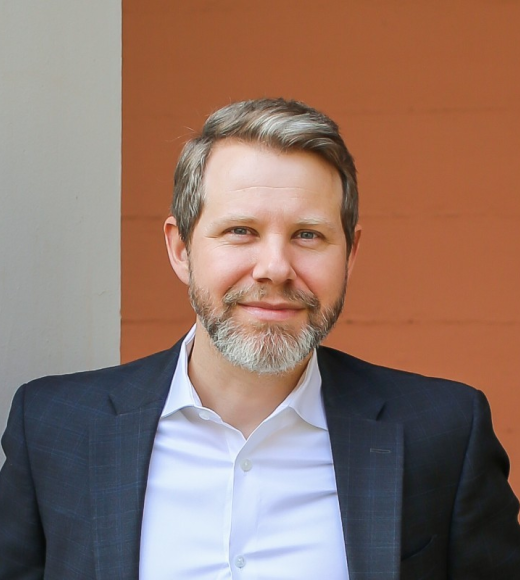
[[136, 380], [392, 384]]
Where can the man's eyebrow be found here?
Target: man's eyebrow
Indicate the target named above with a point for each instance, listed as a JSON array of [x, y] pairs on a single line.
[[320, 222], [251, 219], [235, 218]]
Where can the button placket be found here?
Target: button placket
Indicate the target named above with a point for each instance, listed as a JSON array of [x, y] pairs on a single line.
[[245, 508]]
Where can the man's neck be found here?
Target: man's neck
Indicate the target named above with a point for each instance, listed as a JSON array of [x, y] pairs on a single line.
[[241, 398]]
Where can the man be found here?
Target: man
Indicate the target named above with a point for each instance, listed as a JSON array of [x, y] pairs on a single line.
[[248, 451]]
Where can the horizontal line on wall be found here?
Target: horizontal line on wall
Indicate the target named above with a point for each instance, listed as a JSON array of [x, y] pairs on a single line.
[[426, 322], [349, 321], [136, 114], [424, 111], [373, 215], [145, 218], [157, 321], [440, 215]]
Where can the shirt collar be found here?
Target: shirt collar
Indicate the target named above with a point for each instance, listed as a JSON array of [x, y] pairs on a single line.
[[305, 399], [182, 394]]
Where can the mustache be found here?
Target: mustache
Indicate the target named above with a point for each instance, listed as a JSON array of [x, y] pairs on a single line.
[[256, 293]]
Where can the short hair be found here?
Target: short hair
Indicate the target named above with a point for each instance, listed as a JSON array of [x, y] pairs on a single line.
[[279, 124]]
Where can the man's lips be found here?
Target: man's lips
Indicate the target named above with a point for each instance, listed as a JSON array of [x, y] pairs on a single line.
[[273, 305], [271, 311]]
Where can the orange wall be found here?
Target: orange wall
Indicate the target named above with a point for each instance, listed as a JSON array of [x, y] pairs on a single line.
[[428, 98]]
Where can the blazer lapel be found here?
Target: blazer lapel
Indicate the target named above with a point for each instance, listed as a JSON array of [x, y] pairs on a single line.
[[368, 461], [120, 449]]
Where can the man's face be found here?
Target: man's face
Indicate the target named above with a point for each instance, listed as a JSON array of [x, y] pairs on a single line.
[[268, 257]]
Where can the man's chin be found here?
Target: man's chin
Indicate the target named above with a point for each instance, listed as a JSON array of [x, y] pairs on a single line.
[[262, 348], [272, 330], [293, 324]]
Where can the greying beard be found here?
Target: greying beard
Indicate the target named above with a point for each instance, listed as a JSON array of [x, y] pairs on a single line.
[[260, 347]]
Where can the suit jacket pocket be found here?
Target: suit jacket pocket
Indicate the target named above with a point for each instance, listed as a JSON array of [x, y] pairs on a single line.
[[423, 565]]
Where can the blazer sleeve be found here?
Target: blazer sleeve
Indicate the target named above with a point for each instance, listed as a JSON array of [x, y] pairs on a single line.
[[485, 533], [22, 543]]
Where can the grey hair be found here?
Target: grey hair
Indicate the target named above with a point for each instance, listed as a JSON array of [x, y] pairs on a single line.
[[275, 123]]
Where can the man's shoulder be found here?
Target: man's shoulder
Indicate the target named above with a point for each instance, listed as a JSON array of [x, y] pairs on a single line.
[[91, 389], [345, 371]]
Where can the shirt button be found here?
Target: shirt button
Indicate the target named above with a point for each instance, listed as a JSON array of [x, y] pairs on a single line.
[[246, 465], [204, 415], [240, 561]]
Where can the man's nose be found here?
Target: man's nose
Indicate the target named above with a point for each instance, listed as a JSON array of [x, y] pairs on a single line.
[[274, 263]]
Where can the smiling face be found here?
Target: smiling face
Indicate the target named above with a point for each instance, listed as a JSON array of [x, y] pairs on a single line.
[[267, 262]]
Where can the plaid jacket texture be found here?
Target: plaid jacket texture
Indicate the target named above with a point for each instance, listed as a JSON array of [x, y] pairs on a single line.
[[421, 477]]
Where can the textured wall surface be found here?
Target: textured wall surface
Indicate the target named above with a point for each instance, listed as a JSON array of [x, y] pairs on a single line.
[[60, 126], [428, 98]]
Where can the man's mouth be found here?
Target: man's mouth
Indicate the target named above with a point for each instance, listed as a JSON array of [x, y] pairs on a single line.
[[271, 310]]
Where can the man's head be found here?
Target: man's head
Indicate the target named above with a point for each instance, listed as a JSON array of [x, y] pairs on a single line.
[[264, 231], [277, 124]]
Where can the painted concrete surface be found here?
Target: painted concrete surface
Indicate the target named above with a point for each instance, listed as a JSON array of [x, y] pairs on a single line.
[[60, 160]]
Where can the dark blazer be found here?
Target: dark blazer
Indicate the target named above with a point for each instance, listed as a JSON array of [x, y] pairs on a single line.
[[421, 478]]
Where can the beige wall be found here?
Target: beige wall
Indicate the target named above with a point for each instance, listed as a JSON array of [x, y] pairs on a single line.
[[60, 111], [428, 98]]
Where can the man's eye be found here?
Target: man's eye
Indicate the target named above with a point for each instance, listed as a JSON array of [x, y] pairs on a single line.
[[240, 231], [308, 235]]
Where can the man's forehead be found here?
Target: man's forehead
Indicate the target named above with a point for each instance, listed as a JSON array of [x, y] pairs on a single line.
[[241, 165]]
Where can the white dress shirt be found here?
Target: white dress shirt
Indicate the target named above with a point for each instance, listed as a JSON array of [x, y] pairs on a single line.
[[221, 507]]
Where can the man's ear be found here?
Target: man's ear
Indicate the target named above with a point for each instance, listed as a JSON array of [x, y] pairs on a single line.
[[354, 250], [177, 251]]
